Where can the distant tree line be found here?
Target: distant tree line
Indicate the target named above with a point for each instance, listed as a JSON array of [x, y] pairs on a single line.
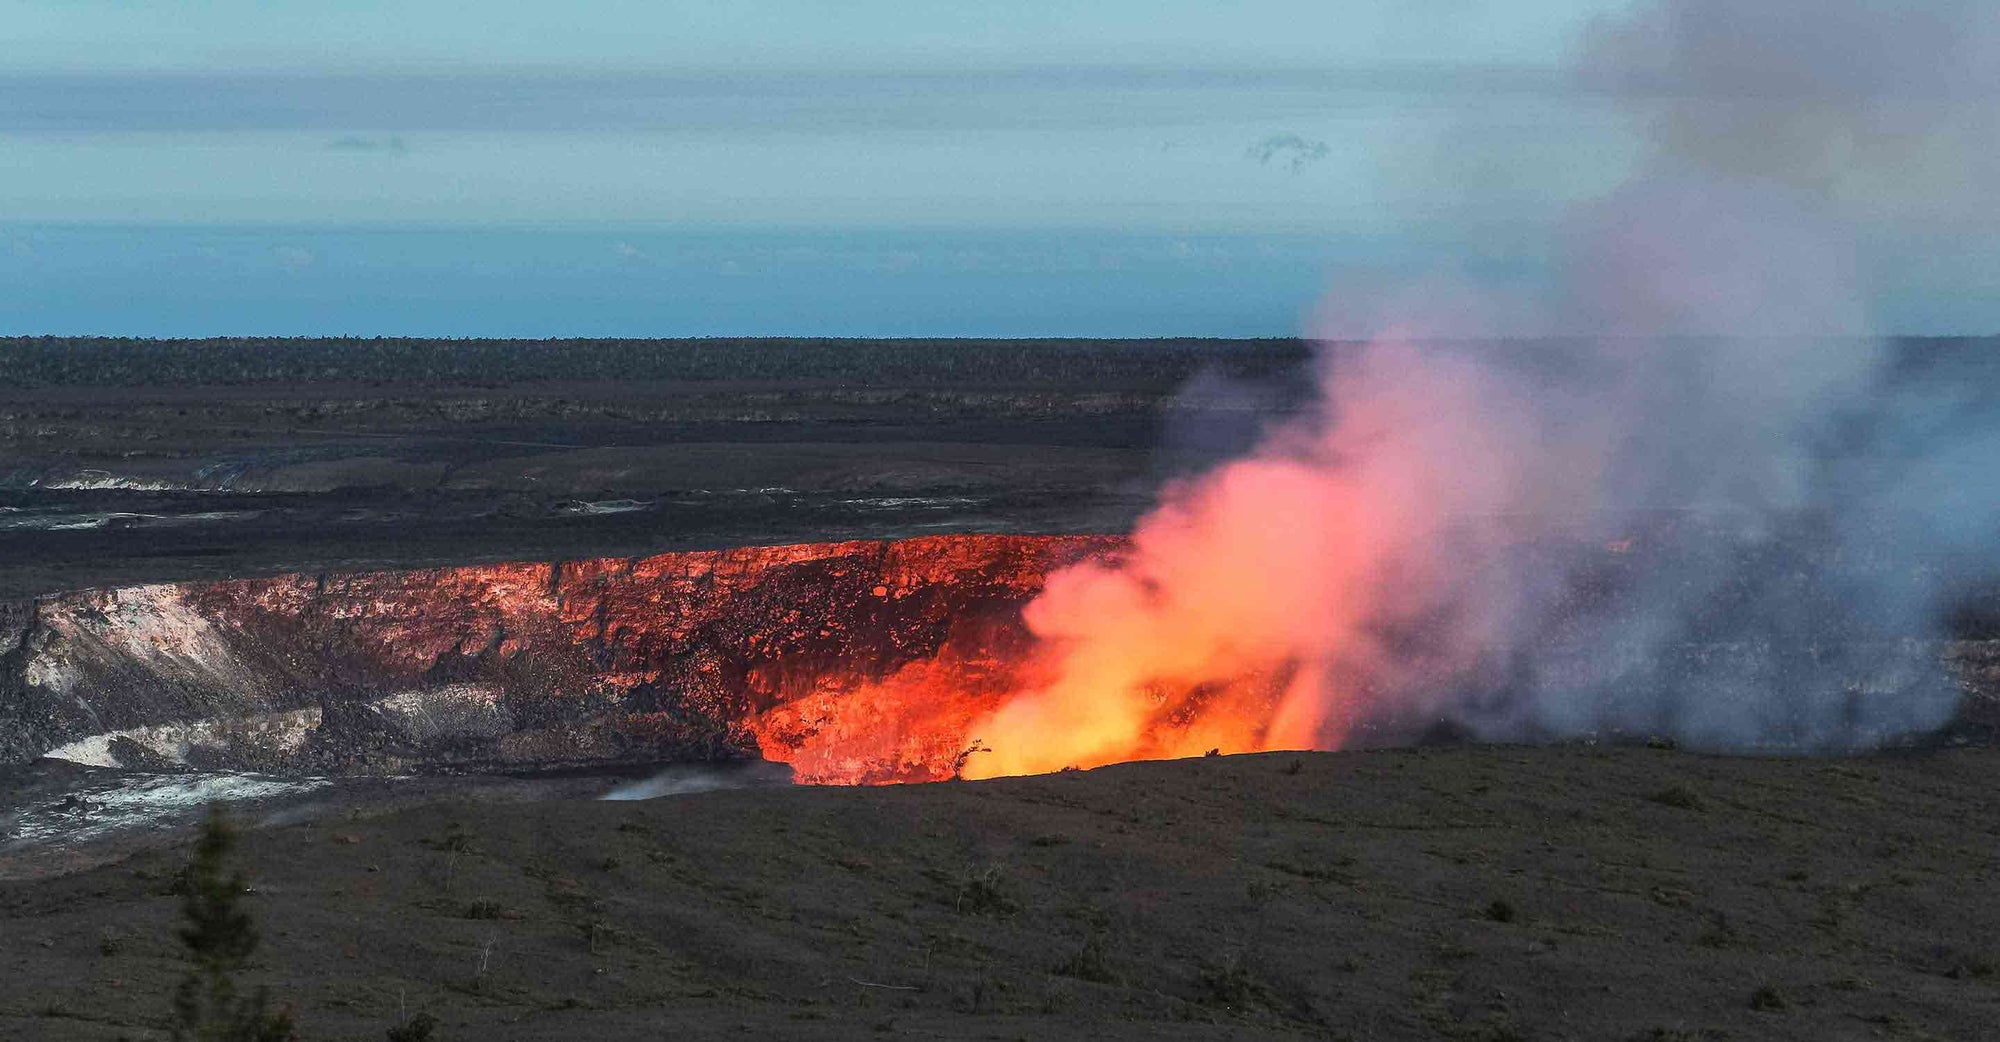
[[252, 361], [407, 361]]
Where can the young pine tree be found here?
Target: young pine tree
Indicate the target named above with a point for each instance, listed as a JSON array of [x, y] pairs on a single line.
[[219, 937]]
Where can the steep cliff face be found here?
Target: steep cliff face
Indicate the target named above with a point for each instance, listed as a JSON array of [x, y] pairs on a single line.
[[852, 662], [680, 656]]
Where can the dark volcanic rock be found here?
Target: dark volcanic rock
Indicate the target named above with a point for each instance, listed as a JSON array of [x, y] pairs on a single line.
[[536, 664], [852, 661]]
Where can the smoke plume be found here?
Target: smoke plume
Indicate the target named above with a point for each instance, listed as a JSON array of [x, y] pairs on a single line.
[[1719, 512]]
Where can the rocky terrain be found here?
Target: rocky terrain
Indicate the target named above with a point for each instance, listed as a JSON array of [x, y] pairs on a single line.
[[1593, 894], [130, 462], [415, 606], [665, 658], [854, 662]]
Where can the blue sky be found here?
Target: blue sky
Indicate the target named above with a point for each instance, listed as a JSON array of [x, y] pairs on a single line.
[[775, 35], [617, 167]]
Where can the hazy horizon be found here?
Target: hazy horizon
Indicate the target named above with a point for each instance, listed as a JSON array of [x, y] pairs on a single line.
[[674, 169]]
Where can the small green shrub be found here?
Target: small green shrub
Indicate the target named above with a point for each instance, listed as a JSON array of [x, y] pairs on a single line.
[[1768, 999], [420, 1028], [220, 937], [1679, 797], [1232, 984], [1091, 962], [984, 893], [483, 909]]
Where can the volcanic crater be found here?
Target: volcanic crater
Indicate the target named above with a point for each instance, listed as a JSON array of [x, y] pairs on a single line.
[[685, 656], [852, 662]]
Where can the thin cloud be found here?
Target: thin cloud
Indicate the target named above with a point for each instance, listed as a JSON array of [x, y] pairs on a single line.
[[293, 258], [803, 101], [1294, 152], [392, 145]]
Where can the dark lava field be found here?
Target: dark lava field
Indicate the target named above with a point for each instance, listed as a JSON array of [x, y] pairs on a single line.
[[1484, 893], [125, 462], [1583, 891]]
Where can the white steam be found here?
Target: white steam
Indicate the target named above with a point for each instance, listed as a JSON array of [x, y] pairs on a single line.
[[1714, 514]]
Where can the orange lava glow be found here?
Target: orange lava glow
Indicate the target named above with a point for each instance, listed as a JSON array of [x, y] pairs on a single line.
[[1252, 610], [927, 722], [914, 725]]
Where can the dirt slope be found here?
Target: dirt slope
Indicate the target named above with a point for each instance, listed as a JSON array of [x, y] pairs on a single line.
[[1471, 893]]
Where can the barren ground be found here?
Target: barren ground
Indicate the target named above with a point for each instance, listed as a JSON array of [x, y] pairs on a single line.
[[1570, 892], [1484, 893], [124, 463]]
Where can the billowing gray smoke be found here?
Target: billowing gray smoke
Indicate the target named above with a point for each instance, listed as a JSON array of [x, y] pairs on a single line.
[[1836, 484], [1719, 512], [1852, 97]]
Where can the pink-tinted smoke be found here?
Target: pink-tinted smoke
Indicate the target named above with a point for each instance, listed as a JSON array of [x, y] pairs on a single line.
[[1370, 560]]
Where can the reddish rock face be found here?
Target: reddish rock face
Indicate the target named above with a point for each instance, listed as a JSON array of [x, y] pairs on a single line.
[[857, 662], [789, 652]]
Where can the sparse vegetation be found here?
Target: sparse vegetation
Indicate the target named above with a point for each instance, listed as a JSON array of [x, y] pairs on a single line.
[[245, 361], [1718, 933], [1768, 999], [484, 908], [455, 840], [1089, 962], [220, 937], [1124, 929], [1231, 983], [420, 1028], [1678, 796], [964, 756], [983, 892], [1333, 870], [1978, 966]]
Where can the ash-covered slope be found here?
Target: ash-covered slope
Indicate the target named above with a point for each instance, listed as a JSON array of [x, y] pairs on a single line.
[[1599, 894], [535, 664]]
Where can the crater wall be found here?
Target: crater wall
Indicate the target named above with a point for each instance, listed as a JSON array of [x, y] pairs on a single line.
[[545, 664]]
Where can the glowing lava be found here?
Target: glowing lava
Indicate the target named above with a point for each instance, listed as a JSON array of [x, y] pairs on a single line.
[[1253, 610]]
